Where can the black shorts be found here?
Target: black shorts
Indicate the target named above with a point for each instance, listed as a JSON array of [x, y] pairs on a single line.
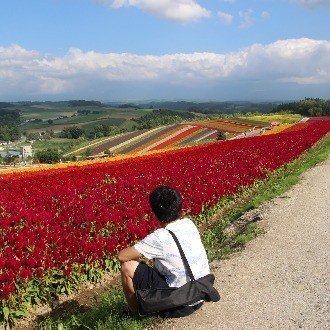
[[146, 277]]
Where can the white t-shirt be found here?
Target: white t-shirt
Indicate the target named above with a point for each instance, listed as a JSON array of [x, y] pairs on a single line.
[[161, 247]]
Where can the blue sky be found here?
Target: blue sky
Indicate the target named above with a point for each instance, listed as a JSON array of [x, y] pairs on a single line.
[[164, 49]]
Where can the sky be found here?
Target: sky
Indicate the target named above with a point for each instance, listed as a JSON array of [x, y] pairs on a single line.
[[113, 50]]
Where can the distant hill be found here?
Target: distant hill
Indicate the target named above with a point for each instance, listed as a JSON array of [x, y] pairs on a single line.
[[80, 103], [311, 107], [207, 107]]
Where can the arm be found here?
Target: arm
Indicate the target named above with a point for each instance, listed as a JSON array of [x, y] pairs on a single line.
[[130, 253]]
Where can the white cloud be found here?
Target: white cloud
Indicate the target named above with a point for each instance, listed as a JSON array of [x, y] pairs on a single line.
[[225, 18], [265, 15], [176, 10], [30, 73], [247, 17], [314, 3]]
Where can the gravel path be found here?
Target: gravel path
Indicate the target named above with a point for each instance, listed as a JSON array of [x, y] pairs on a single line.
[[282, 279]]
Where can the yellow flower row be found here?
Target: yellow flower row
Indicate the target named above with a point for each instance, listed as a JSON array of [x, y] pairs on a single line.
[[45, 167], [278, 129]]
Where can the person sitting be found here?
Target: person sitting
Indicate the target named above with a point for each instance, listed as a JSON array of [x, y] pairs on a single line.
[[168, 269]]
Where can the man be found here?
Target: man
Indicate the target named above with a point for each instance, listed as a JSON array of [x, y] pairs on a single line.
[[168, 269]]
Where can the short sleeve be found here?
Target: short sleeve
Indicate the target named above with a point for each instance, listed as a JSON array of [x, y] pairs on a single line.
[[151, 246]]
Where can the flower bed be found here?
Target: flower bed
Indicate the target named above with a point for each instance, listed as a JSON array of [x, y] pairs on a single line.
[[177, 138], [67, 219], [229, 126], [278, 129]]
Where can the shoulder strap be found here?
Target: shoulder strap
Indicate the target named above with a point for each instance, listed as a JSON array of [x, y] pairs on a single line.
[[183, 256]]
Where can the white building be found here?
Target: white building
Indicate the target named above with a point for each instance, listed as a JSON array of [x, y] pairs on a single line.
[[26, 152]]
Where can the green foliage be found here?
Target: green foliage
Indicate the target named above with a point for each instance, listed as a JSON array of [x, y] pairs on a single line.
[[47, 156], [33, 136], [250, 232], [214, 107], [79, 103], [221, 135], [283, 117], [5, 105], [88, 111], [8, 159], [101, 130], [162, 117], [128, 105], [88, 152], [9, 121], [308, 107], [48, 288], [73, 132], [106, 315]]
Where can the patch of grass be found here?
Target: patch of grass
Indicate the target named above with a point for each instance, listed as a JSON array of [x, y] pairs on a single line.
[[106, 121], [287, 118], [58, 143], [251, 231], [107, 313]]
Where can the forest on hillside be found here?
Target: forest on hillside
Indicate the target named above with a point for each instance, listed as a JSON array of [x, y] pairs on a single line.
[[9, 121], [162, 117], [311, 107]]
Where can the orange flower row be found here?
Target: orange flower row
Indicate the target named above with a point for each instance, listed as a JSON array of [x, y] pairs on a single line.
[[278, 129]]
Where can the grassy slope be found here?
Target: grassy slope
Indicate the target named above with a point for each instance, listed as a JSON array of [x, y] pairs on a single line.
[[120, 117], [268, 118], [107, 313], [60, 144], [109, 116]]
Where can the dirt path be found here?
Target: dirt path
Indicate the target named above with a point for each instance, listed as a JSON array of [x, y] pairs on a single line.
[[282, 279]]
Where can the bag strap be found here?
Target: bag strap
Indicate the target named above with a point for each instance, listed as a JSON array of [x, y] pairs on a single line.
[[183, 256]]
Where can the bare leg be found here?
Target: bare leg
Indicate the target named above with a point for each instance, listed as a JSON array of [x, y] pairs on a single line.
[[127, 272]]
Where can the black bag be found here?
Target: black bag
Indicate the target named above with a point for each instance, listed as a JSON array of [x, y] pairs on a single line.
[[152, 301]]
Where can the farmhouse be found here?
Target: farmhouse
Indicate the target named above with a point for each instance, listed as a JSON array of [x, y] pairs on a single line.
[[23, 154], [26, 152]]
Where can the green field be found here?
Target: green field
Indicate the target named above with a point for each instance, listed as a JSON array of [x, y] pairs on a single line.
[[120, 118], [287, 118], [98, 115], [63, 145]]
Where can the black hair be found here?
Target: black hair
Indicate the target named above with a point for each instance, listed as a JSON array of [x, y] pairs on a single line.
[[166, 203]]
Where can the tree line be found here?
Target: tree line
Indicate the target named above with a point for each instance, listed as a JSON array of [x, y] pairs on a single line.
[[310, 107], [79, 103], [9, 121], [214, 107], [162, 117]]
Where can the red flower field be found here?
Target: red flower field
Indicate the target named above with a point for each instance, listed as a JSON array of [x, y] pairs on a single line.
[[55, 219]]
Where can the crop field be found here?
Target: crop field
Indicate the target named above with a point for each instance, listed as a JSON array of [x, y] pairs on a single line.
[[159, 138], [63, 116], [56, 117], [286, 118], [78, 217], [231, 126], [172, 136]]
